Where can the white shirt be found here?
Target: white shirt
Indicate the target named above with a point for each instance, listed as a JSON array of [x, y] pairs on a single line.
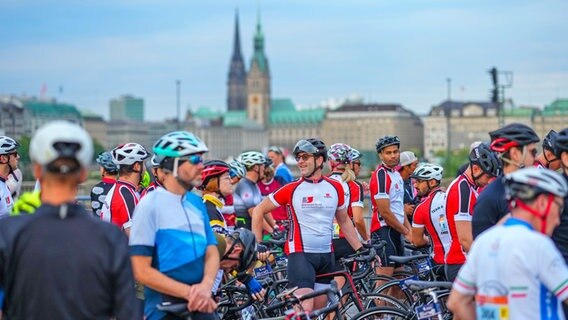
[[6, 201], [514, 271]]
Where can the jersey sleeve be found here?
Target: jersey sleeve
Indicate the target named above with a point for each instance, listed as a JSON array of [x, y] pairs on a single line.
[[124, 218], [466, 278], [356, 193], [281, 196], [553, 271], [143, 232], [464, 198], [418, 218], [380, 185]]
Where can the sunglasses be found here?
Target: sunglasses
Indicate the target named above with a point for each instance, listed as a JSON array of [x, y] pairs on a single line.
[[195, 159], [304, 157]]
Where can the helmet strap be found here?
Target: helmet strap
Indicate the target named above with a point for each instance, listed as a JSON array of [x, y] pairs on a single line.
[[186, 185], [316, 168], [543, 216]]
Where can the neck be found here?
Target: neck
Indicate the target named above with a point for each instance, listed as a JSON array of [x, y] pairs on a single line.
[[109, 176], [252, 176], [316, 176], [508, 168], [171, 184], [4, 170], [526, 217], [57, 194], [131, 178]]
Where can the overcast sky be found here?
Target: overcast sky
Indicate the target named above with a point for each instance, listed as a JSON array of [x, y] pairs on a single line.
[[385, 51]]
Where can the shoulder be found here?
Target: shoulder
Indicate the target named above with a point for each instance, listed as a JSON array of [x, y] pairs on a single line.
[[333, 182]]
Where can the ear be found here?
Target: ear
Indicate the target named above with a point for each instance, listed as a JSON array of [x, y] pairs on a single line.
[[564, 158], [516, 153], [37, 171]]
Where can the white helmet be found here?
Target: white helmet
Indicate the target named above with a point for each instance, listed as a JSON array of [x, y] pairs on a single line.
[[527, 183], [428, 171], [179, 144], [7, 145], [155, 160], [250, 158], [128, 154], [61, 139], [238, 168]]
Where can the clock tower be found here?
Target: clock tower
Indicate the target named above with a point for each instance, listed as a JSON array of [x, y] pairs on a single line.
[[258, 81]]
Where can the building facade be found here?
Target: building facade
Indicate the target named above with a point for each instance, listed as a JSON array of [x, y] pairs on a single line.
[[127, 108], [12, 115]]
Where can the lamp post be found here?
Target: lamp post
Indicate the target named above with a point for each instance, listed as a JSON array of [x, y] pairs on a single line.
[[448, 122], [178, 124]]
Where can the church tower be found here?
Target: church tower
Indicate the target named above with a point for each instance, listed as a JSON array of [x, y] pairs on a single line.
[[237, 82], [258, 81]]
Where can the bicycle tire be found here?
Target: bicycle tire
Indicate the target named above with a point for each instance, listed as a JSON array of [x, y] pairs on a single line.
[[383, 313], [407, 300], [373, 300]]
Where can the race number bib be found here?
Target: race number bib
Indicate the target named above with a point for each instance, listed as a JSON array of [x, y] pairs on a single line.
[[492, 308]]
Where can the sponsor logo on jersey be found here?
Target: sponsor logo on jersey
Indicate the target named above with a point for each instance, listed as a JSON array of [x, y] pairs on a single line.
[[327, 195], [308, 200], [8, 200]]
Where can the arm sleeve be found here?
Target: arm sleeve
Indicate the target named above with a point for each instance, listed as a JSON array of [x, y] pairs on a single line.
[[143, 232], [281, 196], [464, 197], [130, 201], [383, 183], [418, 217], [124, 304], [553, 271], [357, 196]]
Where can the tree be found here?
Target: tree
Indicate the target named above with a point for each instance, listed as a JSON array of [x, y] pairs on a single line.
[[98, 148], [452, 163]]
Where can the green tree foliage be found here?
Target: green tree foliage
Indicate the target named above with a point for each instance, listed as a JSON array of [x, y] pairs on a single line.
[[452, 162], [98, 148]]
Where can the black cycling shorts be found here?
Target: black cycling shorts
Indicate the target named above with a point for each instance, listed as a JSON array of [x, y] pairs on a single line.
[[394, 244], [451, 271], [341, 249], [303, 268]]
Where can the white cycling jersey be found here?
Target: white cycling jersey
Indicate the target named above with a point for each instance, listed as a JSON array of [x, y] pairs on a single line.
[[514, 273], [6, 201]]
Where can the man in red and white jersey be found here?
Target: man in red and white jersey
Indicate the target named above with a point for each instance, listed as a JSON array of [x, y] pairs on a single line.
[[430, 213], [122, 198], [388, 222], [460, 199], [312, 202]]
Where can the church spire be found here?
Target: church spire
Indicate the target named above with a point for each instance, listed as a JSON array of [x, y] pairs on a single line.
[[237, 90], [259, 57]]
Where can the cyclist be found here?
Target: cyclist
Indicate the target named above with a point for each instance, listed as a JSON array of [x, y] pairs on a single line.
[[388, 222], [9, 159], [516, 144], [157, 177], [216, 184], [59, 263], [14, 183], [356, 167], [268, 185], [313, 201], [282, 172], [237, 172], [108, 170], [247, 194], [513, 270], [408, 163], [547, 159], [122, 198], [172, 245], [460, 199], [430, 213]]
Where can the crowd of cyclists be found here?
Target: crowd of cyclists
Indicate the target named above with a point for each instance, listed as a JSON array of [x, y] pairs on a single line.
[[169, 228]]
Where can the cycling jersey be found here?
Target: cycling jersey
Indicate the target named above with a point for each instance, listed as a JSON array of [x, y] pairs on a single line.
[[71, 268], [460, 198], [98, 194], [268, 188], [560, 235], [312, 206], [516, 273], [216, 219], [246, 196], [6, 201], [228, 211], [118, 206], [490, 207], [174, 231], [356, 198], [539, 165], [151, 187], [431, 214], [283, 173], [386, 183]]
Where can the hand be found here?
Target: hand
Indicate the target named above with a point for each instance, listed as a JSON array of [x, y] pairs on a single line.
[[408, 209], [277, 234], [199, 298], [27, 203], [408, 236], [255, 289], [262, 252]]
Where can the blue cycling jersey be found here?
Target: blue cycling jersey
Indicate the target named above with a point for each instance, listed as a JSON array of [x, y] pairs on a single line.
[[174, 230]]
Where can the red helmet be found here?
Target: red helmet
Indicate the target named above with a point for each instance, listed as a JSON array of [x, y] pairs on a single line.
[[212, 169]]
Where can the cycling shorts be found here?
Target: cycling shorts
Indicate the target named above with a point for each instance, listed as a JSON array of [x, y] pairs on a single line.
[[304, 267], [394, 244]]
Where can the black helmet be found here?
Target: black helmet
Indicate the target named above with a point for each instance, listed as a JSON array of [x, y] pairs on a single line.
[[268, 162], [560, 142], [312, 146], [486, 159], [386, 141], [247, 239], [547, 141], [512, 135]]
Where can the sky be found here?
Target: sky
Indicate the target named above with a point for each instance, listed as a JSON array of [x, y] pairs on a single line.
[[88, 52]]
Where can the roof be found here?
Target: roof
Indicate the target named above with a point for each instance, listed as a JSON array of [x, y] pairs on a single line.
[[282, 105], [235, 118], [206, 113], [310, 116], [358, 107], [90, 115], [446, 106], [51, 108]]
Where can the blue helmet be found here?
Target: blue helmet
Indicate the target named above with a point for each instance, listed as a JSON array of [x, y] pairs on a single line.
[[104, 159]]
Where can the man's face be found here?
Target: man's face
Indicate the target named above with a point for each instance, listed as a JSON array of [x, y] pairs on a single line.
[[553, 162], [305, 163], [530, 154], [232, 262], [390, 156], [13, 159], [409, 169], [225, 185], [484, 179], [421, 187], [274, 157], [356, 166], [190, 172]]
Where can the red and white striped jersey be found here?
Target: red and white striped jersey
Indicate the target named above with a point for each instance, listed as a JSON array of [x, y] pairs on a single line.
[[460, 199], [386, 183], [431, 214]]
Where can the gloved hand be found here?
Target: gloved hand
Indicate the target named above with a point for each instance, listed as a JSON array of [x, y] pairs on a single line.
[[254, 287], [277, 234], [26, 203], [262, 252]]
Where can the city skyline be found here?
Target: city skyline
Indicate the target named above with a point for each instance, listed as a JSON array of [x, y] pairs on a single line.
[[384, 51]]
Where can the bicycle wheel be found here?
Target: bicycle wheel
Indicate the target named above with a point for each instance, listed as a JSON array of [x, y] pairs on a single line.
[[383, 313], [393, 289], [372, 300]]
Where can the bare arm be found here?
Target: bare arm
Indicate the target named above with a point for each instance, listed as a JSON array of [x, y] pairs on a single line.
[[348, 229], [211, 266], [465, 235], [384, 208], [359, 222], [258, 213], [152, 278], [462, 305], [419, 239]]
